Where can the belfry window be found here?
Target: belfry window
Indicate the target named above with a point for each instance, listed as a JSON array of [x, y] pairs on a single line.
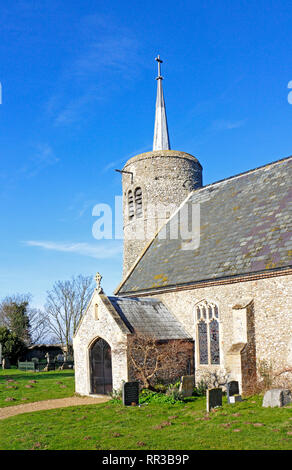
[[207, 331], [138, 202], [130, 205]]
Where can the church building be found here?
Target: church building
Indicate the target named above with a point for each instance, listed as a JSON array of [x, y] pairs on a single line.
[[210, 265]]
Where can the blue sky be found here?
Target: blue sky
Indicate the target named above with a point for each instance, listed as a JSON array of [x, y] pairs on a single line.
[[78, 97]]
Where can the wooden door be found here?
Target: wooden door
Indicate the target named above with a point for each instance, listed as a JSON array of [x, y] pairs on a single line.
[[101, 367]]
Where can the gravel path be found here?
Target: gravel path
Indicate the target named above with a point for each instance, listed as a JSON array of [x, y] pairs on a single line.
[[49, 405]]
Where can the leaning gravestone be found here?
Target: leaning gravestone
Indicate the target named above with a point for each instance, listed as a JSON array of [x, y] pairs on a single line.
[[232, 389], [187, 383], [277, 397], [131, 393], [214, 398]]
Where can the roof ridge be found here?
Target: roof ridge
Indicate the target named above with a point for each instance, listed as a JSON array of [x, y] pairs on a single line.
[[243, 173]]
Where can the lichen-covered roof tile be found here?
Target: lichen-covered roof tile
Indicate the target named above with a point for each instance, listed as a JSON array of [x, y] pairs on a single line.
[[148, 316]]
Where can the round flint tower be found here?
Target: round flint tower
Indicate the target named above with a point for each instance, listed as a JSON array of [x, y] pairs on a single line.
[[154, 185]]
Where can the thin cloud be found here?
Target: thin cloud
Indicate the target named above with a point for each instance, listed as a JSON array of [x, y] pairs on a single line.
[[97, 251], [106, 49], [42, 157], [225, 125]]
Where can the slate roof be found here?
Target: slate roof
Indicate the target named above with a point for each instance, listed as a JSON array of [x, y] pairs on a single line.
[[245, 227], [148, 316]]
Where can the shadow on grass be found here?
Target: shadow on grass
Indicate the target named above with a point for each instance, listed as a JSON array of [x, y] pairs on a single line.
[[191, 399]]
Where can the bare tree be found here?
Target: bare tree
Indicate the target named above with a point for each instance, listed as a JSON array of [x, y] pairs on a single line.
[[151, 359], [65, 306], [40, 332]]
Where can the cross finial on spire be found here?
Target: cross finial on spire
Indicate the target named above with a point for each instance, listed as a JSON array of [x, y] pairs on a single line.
[[159, 72], [161, 139]]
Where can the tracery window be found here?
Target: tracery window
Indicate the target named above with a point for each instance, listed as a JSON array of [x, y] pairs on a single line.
[[207, 327]]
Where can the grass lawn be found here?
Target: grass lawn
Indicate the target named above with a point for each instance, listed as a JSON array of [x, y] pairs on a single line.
[[27, 387], [111, 426]]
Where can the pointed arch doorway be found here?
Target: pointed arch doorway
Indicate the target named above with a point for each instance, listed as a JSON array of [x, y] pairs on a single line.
[[100, 357]]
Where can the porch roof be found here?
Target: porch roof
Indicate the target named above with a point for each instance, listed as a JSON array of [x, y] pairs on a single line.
[[149, 317]]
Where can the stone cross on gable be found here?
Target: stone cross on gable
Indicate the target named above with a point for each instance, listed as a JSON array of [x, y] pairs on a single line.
[[98, 278]]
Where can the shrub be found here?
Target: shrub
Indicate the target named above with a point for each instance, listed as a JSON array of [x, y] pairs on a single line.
[[13, 347], [269, 378], [147, 396], [200, 388], [174, 393], [116, 395], [160, 387], [283, 378]]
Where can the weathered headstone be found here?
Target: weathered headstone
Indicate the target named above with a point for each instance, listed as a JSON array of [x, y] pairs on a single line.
[[214, 398], [232, 389], [187, 383], [277, 397], [131, 393]]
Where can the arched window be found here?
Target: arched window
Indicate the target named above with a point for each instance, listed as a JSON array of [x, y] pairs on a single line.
[[207, 330], [138, 202], [130, 205]]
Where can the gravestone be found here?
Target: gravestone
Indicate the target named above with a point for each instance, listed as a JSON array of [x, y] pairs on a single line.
[[50, 366], [187, 383], [64, 366], [234, 399], [131, 393], [232, 389], [6, 363], [277, 397], [48, 357], [214, 398]]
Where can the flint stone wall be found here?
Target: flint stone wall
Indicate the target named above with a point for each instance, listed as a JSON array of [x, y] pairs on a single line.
[[272, 328], [166, 177]]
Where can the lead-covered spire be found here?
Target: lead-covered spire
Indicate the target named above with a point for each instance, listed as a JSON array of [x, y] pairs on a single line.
[[161, 139]]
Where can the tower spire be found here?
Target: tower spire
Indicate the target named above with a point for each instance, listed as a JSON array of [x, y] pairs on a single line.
[[161, 139]]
